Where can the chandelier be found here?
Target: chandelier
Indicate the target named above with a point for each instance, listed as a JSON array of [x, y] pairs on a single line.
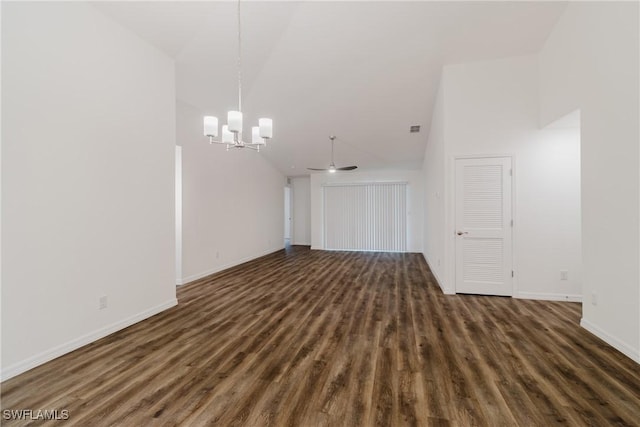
[[232, 131]]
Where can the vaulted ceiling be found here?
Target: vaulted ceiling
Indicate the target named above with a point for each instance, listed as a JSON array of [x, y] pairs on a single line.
[[364, 71]]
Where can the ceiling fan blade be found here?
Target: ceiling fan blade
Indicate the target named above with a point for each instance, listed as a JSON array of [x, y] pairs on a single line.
[[332, 167]]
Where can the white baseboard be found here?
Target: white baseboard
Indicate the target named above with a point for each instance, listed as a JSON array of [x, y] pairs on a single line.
[[57, 351], [363, 250], [624, 348], [219, 268], [438, 280], [548, 296]]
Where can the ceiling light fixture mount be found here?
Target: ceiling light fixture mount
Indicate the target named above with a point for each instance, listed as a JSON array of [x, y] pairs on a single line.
[[232, 131]]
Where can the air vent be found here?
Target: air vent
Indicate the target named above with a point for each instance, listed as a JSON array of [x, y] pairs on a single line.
[[414, 129]]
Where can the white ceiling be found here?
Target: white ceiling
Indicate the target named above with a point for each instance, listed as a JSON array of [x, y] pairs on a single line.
[[364, 71]]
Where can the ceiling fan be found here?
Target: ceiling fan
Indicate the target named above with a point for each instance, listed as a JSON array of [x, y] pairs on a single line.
[[332, 167]]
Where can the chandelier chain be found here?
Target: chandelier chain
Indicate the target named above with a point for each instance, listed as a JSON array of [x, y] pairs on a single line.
[[332, 141]]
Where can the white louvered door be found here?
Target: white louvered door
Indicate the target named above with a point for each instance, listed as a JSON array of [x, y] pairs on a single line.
[[483, 226]]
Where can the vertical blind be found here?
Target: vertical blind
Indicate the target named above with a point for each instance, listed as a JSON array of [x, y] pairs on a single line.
[[366, 217]]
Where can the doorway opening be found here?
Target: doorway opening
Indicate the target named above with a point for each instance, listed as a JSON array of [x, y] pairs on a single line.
[[287, 216], [557, 269], [178, 213]]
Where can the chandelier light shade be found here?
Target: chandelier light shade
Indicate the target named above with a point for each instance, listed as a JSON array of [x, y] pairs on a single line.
[[211, 126], [232, 131], [266, 128], [227, 135], [234, 120], [255, 135]]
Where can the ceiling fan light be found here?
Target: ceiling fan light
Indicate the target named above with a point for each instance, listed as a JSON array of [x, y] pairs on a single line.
[[266, 128], [227, 135], [210, 126], [234, 120]]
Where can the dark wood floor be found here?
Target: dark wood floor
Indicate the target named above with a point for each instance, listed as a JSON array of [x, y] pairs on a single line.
[[310, 338]]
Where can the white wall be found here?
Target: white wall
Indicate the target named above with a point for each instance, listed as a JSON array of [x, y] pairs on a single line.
[[88, 180], [233, 203], [491, 107], [301, 210], [434, 194], [590, 62], [414, 181]]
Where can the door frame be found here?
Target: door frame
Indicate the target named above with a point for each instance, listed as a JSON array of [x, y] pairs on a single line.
[[178, 213], [288, 198], [450, 216]]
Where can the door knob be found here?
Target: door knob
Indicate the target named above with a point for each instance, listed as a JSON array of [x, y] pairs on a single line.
[[460, 233]]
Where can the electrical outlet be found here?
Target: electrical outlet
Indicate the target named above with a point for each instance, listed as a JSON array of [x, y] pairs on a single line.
[[438, 262], [594, 298], [564, 275], [104, 302], [217, 255]]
